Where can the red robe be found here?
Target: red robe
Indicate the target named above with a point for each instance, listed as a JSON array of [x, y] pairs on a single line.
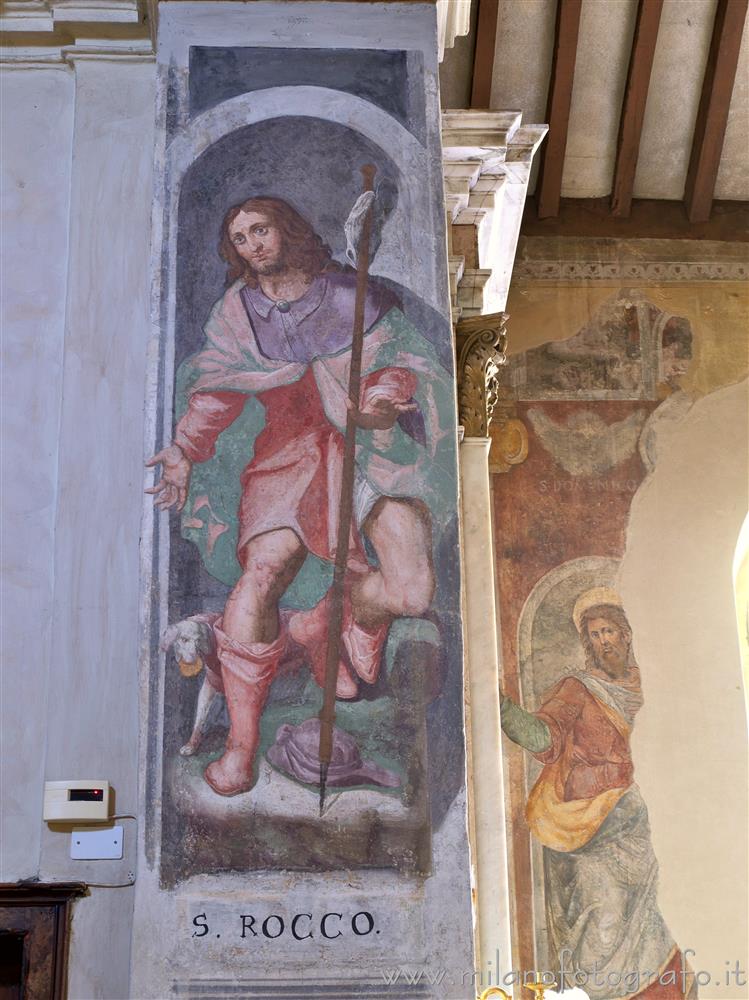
[[600, 757], [294, 478], [600, 868]]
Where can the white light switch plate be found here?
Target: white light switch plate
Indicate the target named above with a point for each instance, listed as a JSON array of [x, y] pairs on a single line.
[[96, 845]]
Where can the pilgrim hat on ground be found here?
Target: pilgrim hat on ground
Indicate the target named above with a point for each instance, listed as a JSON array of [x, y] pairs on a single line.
[[296, 754]]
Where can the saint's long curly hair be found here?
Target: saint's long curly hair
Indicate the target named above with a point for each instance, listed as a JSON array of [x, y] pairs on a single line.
[[612, 614], [302, 247]]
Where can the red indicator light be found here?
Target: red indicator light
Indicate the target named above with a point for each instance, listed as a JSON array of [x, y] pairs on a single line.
[[86, 795]]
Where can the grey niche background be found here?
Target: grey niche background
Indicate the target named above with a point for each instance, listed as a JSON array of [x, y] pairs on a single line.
[[385, 77]]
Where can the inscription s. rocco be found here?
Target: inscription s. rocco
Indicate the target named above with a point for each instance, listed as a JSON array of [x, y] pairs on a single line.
[[299, 926]]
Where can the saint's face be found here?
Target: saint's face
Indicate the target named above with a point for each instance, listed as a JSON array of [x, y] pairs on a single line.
[[258, 240], [610, 646], [674, 366]]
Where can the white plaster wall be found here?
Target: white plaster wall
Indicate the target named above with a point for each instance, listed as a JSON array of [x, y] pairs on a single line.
[[690, 739], [92, 726], [77, 197], [37, 118]]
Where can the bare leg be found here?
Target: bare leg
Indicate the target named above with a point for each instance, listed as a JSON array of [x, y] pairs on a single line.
[[401, 533], [250, 650], [270, 563], [205, 700]]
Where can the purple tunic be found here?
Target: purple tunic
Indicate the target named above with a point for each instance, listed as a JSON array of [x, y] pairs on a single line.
[[317, 324]]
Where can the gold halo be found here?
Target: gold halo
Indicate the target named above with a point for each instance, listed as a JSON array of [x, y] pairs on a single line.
[[591, 599]]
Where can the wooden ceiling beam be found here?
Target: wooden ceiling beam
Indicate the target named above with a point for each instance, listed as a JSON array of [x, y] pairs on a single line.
[[633, 106], [712, 116], [558, 109], [483, 54]]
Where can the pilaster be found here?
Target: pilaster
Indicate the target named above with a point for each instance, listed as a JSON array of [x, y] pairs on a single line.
[[94, 615], [487, 163], [37, 126], [486, 796]]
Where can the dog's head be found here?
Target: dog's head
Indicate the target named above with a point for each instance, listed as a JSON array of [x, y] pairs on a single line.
[[190, 641]]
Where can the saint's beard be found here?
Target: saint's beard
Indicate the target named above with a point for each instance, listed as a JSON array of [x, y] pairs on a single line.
[[615, 665], [270, 268]]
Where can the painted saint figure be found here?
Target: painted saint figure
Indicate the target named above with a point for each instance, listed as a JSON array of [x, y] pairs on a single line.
[[281, 336], [600, 870]]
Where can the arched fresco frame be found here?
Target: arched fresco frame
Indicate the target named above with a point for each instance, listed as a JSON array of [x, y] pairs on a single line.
[[408, 154]]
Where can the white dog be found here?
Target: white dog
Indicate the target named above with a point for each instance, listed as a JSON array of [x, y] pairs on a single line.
[[193, 643], [194, 647]]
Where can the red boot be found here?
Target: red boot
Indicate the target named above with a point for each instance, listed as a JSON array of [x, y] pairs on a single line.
[[247, 672], [310, 629], [364, 648]]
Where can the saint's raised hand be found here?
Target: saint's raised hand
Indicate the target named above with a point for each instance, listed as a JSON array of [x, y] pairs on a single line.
[[172, 488]]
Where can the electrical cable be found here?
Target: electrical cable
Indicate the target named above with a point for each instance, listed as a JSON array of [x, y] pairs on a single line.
[[132, 875]]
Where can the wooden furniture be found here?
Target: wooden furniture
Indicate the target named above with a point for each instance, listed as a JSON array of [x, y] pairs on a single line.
[[34, 922]]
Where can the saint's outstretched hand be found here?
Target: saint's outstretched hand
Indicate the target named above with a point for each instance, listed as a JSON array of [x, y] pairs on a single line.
[[172, 488]]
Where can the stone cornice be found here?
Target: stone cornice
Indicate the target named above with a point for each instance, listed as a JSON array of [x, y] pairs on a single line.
[[32, 57], [46, 33], [486, 160], [139, 50], [478, 134], [45, 15], [64, 55]]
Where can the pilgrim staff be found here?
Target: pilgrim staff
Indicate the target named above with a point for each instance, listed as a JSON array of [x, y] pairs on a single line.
[[327, 712]]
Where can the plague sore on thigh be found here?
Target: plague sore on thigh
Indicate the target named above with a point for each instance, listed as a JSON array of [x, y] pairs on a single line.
[[273, 558]]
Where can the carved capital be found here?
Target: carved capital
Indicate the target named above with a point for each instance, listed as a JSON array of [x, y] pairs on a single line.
[[481, 344]]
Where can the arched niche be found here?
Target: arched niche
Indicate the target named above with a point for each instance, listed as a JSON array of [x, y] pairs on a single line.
[[311, 163], [548, 643], [548, 649], [410, 242]]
